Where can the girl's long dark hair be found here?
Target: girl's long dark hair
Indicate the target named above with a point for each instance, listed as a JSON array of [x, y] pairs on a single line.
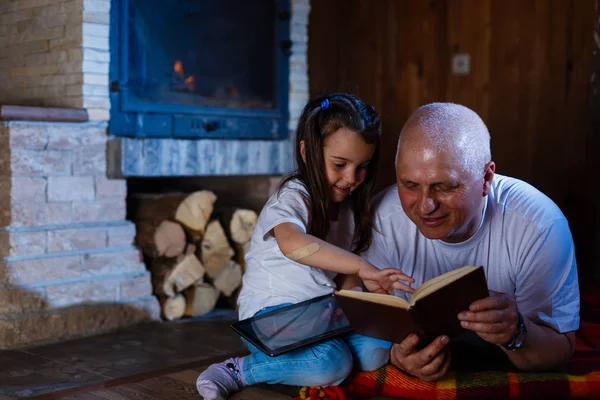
[[320, 118]]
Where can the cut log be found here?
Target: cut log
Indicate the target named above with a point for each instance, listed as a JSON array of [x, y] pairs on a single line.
[[186, 273], [215, 250], [239, 224], [148, 211], [201, 299], [169, 239], [194, 212], [173, 307], [229, 278]]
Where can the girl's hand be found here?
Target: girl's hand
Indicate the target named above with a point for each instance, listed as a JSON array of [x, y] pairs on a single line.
[[385, 280]]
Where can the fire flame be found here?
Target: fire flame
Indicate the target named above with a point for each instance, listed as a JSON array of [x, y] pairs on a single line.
[[188, 82], [178, 68]]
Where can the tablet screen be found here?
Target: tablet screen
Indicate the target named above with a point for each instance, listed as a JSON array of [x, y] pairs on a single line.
[[289, 328]]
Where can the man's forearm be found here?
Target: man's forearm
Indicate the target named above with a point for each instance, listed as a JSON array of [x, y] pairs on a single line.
[[535, 354]]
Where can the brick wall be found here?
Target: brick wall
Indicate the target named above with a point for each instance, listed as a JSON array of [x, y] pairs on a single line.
[[55, 53], [68, 266]]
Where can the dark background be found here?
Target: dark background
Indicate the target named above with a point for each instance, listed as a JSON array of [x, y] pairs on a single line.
[[534, 80]]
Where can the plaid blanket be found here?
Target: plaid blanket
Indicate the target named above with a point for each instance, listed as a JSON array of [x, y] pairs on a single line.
[[580, 379]]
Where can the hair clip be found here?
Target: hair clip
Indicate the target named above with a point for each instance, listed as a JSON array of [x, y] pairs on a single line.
[[373, 107], [325, 104]]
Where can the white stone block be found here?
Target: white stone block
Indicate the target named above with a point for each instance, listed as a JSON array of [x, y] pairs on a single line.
[[70, 188], [98, 114], [96, 102], [96, 42], [91, 29], [26, 189], [95, 79], [101, 6], [95, 90], [96, 17], [95, 67], [96, 55]]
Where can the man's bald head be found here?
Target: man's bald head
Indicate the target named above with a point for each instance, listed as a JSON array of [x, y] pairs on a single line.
[[451, 128]]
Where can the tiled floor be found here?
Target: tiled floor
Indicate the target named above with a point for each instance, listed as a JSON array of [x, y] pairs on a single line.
[[130, 354], [154, 361]]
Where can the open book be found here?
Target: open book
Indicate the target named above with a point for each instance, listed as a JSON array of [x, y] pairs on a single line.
[[431, 312]]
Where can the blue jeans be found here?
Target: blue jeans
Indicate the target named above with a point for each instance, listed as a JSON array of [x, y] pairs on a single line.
[[325, 364]]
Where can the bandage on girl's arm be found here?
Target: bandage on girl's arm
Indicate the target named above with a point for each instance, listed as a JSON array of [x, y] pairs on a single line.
[[309, 250]]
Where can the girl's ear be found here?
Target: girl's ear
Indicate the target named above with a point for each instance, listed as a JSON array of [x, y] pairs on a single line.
[[303, 151]]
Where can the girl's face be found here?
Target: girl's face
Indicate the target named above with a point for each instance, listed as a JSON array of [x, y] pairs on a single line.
[[346, 159]]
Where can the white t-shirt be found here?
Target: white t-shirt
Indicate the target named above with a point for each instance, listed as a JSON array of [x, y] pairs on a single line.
[[524, 244], [271, 278]]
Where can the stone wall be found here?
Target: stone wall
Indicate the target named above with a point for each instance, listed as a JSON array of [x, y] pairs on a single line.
[[67, 264], [67, 267]]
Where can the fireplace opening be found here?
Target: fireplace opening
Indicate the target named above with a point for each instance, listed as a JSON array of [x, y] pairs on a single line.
[[193, 233], [190, 69]]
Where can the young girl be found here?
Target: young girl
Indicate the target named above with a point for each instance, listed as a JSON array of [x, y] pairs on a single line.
[[306, 234]]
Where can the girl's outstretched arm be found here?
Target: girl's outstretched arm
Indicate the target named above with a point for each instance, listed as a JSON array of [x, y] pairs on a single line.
[[306, 249]]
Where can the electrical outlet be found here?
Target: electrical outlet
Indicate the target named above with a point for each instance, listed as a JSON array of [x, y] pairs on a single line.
[[461, 64]]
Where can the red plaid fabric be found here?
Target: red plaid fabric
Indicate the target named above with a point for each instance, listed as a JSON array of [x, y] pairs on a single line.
[[581, 378]]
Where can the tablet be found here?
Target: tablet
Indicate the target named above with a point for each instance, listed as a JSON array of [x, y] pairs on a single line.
[[295, 326]]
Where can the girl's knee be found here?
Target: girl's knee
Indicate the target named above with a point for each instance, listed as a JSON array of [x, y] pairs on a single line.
[[332, 365], [369, 354], [373, 360]]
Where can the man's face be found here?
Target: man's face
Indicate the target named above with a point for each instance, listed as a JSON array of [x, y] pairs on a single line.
[[441, 199]]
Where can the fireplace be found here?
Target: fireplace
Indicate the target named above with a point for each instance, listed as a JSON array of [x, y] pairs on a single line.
[[200, 69], [68, 262]]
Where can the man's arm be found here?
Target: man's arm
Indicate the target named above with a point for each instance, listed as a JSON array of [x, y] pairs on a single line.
[[534, 354], [495, 320]]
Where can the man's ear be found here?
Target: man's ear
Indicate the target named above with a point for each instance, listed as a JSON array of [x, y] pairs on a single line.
[[488, 176], [303, 151]]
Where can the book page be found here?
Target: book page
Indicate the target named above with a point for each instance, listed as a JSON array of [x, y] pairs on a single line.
[[440, 281], [379, 298]]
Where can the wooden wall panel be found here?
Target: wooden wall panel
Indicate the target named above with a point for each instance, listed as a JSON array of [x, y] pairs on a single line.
[[411, 69], [531, 64], [469, 31]]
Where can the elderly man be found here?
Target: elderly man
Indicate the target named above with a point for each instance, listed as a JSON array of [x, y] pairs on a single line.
[[451, 209]]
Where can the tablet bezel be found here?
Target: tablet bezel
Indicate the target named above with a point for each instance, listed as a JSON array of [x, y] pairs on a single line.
[[237, 327]]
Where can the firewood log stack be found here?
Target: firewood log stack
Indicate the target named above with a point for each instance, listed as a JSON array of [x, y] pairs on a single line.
[[195, 254]]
